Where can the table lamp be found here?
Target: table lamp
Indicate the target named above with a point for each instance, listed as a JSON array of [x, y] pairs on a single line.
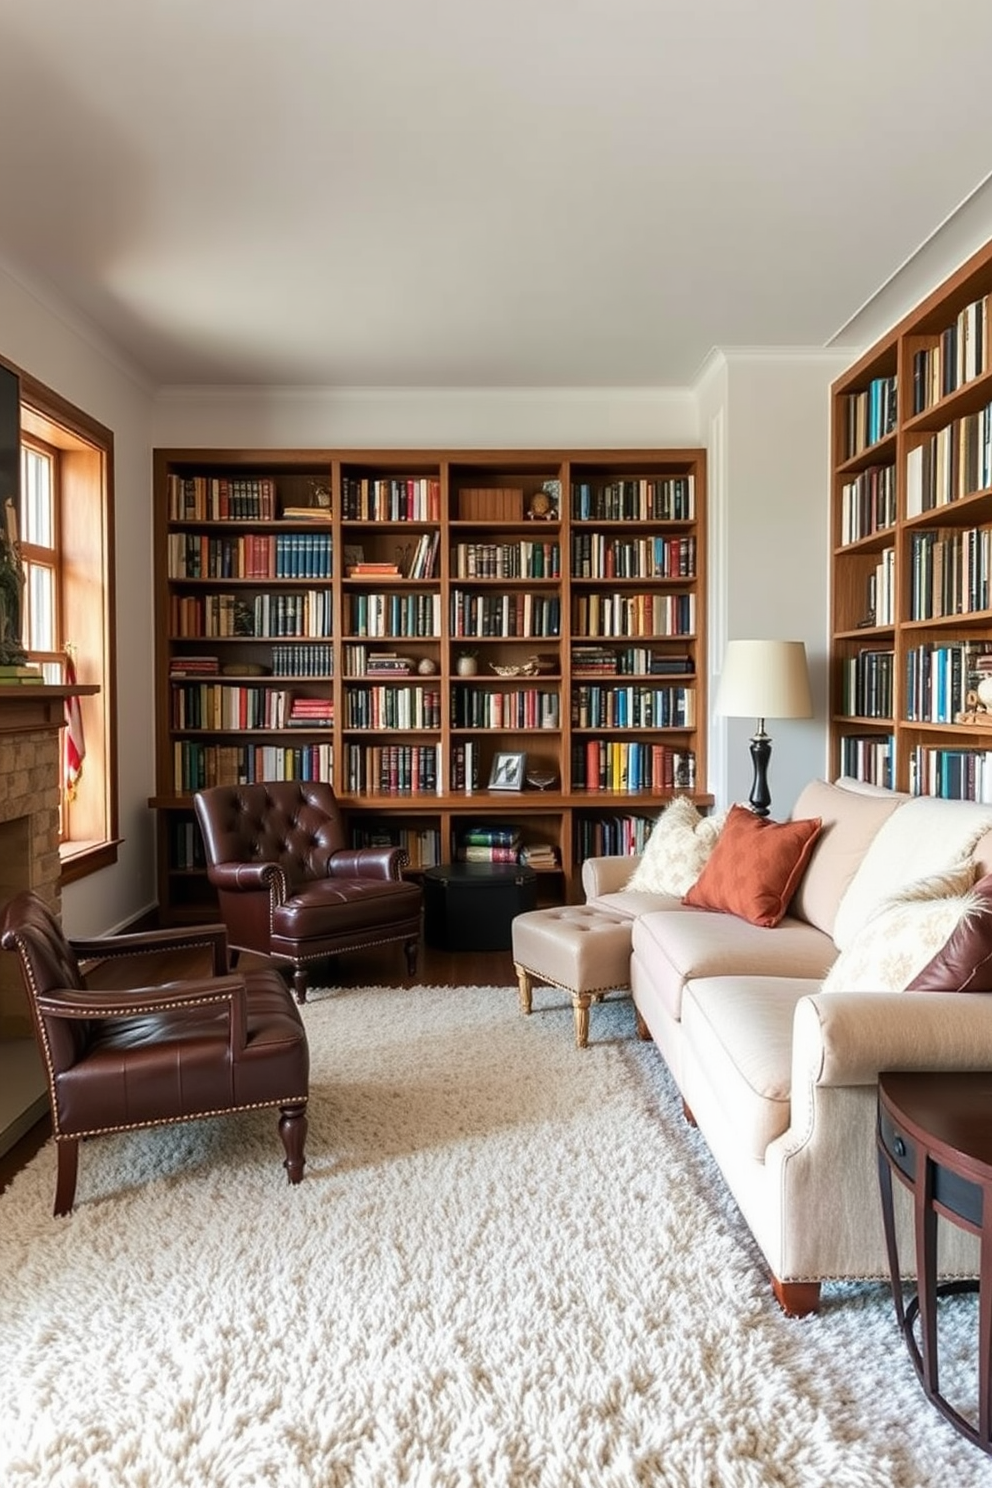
[[763, 679]]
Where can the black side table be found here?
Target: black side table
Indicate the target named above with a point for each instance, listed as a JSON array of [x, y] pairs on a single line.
[[935, 1134], [470, 906]]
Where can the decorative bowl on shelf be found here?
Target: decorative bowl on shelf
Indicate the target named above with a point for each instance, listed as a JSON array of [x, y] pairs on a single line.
[[502, 670], [541, 777]]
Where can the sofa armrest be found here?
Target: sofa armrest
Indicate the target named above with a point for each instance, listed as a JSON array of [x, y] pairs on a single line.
[[847, 1038], [607, 875]]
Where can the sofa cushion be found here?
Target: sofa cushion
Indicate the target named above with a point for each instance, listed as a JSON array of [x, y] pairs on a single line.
[[964, 962], [675, 853], [904, 934], [755, 867], [925, 836], [679, 945], [738, 1037], [631, 903], [851, 819]]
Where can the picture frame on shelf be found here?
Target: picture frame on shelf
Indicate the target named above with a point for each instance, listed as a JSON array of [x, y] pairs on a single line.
[[507, 772]]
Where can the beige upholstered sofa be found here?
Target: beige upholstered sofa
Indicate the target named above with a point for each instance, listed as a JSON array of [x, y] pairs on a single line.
[[779, 1074]]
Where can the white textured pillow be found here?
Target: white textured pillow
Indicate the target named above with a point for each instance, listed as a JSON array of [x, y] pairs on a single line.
[[904, 933], [676, 852], [925, 836]]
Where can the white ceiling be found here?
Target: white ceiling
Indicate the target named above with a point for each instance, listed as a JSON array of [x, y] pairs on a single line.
[[442, 193]]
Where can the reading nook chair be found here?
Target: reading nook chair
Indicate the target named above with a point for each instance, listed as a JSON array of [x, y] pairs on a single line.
[[152, 1055], [288, 885]]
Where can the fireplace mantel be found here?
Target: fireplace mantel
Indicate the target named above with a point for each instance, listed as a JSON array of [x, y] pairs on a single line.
[[31, 717]]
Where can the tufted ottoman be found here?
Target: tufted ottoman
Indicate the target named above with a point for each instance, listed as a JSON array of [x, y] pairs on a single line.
[[583, 950]]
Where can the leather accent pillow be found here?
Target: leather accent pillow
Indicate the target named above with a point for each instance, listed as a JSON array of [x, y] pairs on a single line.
[[964, 961], [676, 852], [755, 867]]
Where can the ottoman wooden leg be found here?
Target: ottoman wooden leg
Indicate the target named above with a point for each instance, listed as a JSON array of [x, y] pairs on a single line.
[[580, 1005], [523, 988]]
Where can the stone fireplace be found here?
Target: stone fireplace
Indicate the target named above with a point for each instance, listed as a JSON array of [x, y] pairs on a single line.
[[31, 717]]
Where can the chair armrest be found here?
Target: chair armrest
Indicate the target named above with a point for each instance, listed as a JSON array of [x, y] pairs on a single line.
[[847, 1038], [367, 862], [149, 942], [136, 1002], [246, 878], [607, 875]]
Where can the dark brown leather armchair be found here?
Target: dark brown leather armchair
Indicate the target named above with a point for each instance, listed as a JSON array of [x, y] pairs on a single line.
[[117, 1060], [288, 885]]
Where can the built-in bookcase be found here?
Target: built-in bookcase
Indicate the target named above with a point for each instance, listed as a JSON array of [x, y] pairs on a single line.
[[912, 548], [394, 622]]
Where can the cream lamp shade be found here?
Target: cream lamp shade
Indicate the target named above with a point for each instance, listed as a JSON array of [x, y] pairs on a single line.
[[764, 679]]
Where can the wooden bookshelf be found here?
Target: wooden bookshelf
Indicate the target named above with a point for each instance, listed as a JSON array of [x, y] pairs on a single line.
[[911, 605], [393, 620]]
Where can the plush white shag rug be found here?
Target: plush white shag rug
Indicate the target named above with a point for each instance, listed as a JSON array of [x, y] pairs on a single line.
[[510, 1265]]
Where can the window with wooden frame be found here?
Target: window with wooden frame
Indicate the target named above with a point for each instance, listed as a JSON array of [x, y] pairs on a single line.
[[66, 541]]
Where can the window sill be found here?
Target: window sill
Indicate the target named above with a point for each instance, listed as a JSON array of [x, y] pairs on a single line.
[[79, 859]]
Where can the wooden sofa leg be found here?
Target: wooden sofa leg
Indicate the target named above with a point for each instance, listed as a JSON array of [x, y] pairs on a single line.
[[643, 1031], [68, 1166], [797, 1298], [300, 983], [688, 1114], [293, 1131]]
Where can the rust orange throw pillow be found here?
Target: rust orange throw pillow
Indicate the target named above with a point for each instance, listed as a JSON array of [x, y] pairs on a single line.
[[755, 867]]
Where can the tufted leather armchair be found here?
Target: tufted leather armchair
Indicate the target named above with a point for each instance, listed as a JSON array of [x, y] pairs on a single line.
[[290, 888], [147, 1056]]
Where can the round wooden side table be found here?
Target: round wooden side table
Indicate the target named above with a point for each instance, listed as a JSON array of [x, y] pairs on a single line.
[[935, 1134]]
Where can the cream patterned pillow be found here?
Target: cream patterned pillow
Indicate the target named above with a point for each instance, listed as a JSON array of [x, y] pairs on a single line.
[[904, 933], [676, 852]]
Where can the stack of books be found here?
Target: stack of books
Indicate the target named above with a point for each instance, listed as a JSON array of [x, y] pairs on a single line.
[[194, 666], [489, 843], [16, 676], [311, 712], [363, 570], [388, 664], [541, 856]]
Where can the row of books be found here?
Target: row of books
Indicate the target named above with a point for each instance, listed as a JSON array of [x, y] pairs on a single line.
[[941, 680], [516, 560], [393, 499], [870, 415], [950, 572], [225, 706], [632, 766], [197, 766], [393, 614], [868, 503], [597, 555], [960, 354], [953, 463], [392, 769], [867, 683], [634, 614], [882, 589], [515, 708], [609, 836], [206, 498], [306, 659], [526, 614], [633, 706], [187, 844], [629, 661], [360, 661], [422, 844], [646, 499], [869, 757], [392, 707], [268, 616], [956, 774], [257, 555]]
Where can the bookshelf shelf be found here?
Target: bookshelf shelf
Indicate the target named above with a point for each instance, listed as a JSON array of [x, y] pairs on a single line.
[[572, 574]]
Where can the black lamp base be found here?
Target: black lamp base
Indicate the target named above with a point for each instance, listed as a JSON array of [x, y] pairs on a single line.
[[761, 752]]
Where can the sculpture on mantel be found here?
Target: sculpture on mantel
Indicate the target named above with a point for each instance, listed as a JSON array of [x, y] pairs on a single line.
[[12, 581]]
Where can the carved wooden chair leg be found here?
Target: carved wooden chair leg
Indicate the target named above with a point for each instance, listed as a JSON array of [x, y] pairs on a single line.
[[412, 950], [68, 1166], [300, 983], [293, 1131]]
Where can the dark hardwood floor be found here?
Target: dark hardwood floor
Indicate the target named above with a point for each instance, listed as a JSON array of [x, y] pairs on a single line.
[[382, 966]]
